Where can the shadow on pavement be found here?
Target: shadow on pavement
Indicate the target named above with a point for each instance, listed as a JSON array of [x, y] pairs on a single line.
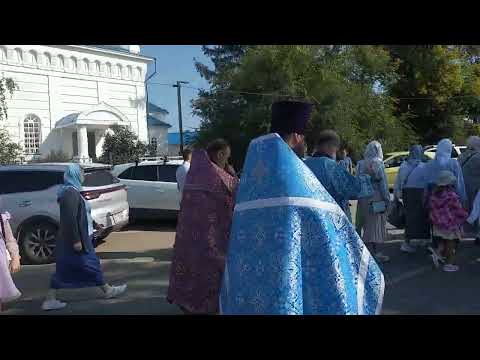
[[151, 225]]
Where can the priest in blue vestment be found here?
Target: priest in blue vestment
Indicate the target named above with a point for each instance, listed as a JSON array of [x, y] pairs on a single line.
[[338, 181], [292, 249]]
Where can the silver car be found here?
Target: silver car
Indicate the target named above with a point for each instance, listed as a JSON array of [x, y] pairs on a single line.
[[29, 193]]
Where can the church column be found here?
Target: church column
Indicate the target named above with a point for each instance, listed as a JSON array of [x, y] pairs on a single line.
[[82, 139]]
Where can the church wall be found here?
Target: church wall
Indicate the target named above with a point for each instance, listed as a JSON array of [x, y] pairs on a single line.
[[55, 81]]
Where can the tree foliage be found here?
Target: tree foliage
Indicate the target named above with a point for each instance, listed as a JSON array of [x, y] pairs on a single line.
[[397, 94], [7, 85], [122, 146], [9, 151], [340, 81]]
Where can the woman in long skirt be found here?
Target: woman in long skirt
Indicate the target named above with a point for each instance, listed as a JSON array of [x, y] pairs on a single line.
[[416, 215], [374, 209], [77, 264]]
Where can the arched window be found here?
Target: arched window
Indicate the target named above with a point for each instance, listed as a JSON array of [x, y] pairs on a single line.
[[86, 65], [32, 134], [47, 59], [33, 57], [3, 53], [97, 67], [139, 73], [118, 72], [74, 65], [129, 72], [19, 54], [108, 69], [61, 62]]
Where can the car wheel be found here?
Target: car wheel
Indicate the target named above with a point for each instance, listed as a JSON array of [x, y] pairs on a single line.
[[38, 243]]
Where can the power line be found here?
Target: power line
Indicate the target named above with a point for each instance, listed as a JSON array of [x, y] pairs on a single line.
[[302, 97]]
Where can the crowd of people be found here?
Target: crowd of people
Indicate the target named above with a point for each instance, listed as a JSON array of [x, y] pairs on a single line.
[[280, 239]]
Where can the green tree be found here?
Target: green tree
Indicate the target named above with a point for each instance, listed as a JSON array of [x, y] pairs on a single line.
[[122, 146], [9, 151], [6, 85], [438, 87], [345, 83]]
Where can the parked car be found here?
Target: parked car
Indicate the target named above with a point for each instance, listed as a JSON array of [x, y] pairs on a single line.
[[456, 150], [29, 193], [152, 188], [393, 161]]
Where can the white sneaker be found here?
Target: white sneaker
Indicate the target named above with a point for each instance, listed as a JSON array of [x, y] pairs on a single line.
[[381, 258], [53, 304], [450, 268], [115, 291], [407, 248]]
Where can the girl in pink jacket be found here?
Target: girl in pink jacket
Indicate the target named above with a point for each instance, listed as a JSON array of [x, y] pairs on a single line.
[[447, 216]]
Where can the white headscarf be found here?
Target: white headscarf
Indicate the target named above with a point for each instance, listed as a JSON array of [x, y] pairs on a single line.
[[473, 143], [373, 152], [444, 152]]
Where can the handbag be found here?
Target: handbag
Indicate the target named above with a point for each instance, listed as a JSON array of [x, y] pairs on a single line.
[[378, 207], [396, 215]]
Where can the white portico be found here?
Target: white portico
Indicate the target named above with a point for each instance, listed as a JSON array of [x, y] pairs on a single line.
[[86, 131]]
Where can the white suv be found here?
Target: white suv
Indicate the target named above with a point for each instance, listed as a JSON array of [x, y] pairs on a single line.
[[29, 193], [152, 188]]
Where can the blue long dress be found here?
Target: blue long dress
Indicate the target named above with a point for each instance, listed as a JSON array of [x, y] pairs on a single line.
[[75, 269], [292, 249]]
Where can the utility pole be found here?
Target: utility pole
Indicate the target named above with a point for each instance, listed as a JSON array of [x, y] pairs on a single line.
[[180, 125]]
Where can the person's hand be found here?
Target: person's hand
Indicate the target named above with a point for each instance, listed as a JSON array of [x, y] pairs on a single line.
[[77, 246], [15, 265]]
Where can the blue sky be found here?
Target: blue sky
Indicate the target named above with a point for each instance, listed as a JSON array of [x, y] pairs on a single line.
[[175, 62]]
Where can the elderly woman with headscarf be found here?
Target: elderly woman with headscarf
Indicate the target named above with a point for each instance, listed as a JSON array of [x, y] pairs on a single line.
[[77, 265], [374, 208], [412, 199], [470, 163], [203, 231]]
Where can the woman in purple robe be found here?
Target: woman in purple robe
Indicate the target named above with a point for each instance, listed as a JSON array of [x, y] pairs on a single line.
[[203, 231]]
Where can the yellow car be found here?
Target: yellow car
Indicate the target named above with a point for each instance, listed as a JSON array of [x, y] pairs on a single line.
[[392, 162]]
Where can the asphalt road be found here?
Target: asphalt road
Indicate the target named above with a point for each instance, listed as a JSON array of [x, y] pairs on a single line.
[[140, 256]]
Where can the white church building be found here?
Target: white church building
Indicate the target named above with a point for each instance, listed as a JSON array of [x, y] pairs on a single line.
[[69, 95]]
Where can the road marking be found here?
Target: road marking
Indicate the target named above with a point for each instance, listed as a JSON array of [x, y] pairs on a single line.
[[408, 275], [137, 260]]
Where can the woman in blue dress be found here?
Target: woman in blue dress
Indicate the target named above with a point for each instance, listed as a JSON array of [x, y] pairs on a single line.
[[77, 265]]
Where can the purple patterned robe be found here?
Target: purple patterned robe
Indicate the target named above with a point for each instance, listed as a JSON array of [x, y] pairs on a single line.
[[202, 236]]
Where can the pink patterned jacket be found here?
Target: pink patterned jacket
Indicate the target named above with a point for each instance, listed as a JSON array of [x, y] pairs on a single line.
[[446, 211]]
